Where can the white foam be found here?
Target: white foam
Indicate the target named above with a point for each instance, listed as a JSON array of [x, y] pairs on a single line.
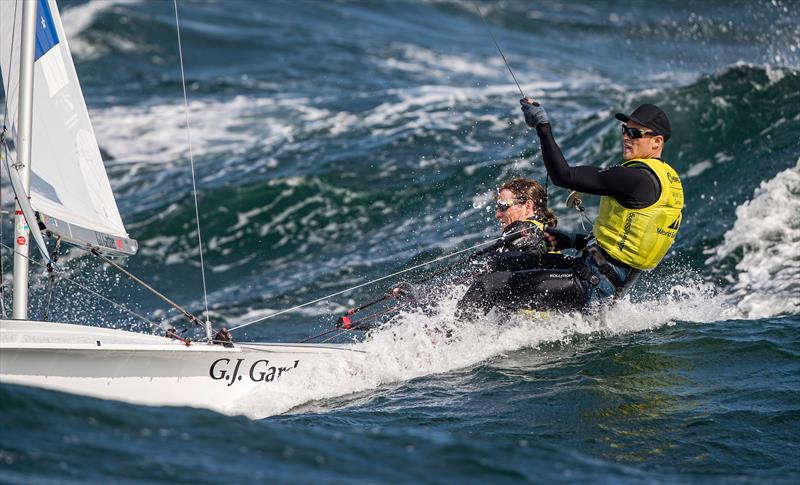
[[432, 64], [408, 348], [767, 235], [222, 131], [216, 127], [698, 168], [77, 19]]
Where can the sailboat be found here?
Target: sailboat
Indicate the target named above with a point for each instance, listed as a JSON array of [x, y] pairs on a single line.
[[63, 193]]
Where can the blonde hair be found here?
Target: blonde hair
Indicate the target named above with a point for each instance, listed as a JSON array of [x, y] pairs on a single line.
[[532, 190]]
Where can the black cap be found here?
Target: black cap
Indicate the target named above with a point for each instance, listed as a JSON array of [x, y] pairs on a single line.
[[651, 116]]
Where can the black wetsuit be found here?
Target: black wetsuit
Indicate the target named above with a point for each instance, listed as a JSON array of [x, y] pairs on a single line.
[[633, 187], [521, 274], [524, 280]]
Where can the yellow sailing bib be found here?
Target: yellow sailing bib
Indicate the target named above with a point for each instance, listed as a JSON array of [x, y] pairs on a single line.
[[536, 223], [641, 237]]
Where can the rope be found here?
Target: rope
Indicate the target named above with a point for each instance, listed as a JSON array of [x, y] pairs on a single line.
[[5, 150], [314, 337], [152, 290], [546, 185], [360, 324], [584, 217], [89, 290], [135, 279], [499, 50], [489, 30], [191, 160], [371, 282]]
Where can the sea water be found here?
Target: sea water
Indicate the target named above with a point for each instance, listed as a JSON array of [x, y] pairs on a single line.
[[338, 142]]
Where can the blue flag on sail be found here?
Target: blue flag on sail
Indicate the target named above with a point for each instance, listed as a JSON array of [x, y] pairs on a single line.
[[46, 35]]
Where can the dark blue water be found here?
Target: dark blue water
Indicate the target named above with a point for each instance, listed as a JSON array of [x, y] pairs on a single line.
[[338, 142]]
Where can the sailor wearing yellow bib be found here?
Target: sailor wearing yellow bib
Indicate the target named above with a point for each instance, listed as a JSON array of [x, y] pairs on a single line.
[[641, 237], [519, 272], [521, 209], [640, 204]]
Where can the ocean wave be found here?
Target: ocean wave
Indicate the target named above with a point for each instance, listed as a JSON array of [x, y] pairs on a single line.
[[763, 242], [77, 19]]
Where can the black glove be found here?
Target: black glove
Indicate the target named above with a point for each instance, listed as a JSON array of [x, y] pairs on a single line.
[[535, 114]]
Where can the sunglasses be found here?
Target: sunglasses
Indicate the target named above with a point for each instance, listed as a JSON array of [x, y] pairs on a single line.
[[504, 205], [636, 133]]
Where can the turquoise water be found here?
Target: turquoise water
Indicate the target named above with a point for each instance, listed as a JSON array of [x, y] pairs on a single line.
[[338, 142]]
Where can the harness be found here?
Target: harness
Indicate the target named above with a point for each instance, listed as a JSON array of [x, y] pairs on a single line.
[[604, 264]]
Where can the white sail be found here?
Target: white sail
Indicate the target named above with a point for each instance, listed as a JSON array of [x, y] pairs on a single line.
[[69, 185]]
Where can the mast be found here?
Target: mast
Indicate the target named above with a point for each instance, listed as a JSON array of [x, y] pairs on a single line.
[[23, 165]]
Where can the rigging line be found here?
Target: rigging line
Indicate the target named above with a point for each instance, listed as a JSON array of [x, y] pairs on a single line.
[[87, 289], [496, 44], [281, 312], [191, 160], [396, 273], [5, 150], [51, 279], [360, 325], [361, 322], [325, 341], [314, 337], [140, 282], [485, 23]]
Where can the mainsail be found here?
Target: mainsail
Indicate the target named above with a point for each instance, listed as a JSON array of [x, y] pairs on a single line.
[[69, 185]]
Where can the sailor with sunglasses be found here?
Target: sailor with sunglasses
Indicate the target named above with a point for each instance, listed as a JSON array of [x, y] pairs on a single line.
[[520, 273], [640, 201], [521, 209]]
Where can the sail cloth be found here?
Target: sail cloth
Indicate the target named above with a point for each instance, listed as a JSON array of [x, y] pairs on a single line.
[[27, 210], [69, 185]]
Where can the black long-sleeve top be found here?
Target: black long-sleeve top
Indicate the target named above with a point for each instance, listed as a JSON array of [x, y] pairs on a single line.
[[633, 187]]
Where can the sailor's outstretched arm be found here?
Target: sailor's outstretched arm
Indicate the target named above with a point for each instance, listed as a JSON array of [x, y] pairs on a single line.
[[623, 182], [633, 187]]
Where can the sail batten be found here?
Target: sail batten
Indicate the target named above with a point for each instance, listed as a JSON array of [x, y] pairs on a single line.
[[69, 183]]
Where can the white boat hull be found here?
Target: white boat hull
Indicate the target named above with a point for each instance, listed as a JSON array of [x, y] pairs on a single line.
[[146, 369]]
